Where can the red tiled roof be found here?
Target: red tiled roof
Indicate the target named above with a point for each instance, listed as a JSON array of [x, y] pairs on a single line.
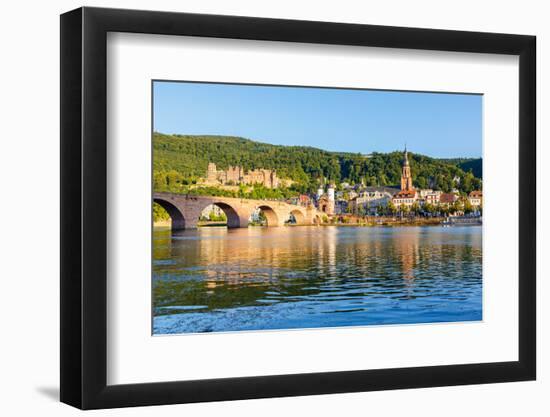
[[476, 194], [405, 194], [447, 198]]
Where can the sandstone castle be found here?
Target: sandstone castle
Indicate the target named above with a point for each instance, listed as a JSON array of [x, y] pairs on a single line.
[[237, 175]]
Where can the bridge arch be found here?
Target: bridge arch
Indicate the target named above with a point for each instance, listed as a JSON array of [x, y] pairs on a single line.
[[178, 220], [299, 217], [271, 216], [233, 219]]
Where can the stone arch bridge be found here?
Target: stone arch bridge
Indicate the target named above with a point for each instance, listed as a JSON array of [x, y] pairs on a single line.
[[185, 210]]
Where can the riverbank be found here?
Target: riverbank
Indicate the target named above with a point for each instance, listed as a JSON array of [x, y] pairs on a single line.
[[168, 223], [385, 221], [360, 224], [162, 223], [350, 222]]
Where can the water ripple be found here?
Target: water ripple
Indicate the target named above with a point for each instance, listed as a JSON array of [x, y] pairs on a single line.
[[244, 279]]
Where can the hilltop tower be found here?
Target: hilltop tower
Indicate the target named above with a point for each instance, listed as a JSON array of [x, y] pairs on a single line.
[[406, 178]]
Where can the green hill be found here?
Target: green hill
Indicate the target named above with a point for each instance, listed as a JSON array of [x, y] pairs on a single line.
[[475, 165], [468, 164], [183, 159]]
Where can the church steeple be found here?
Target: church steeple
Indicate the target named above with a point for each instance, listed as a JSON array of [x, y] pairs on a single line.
[[406, 177]]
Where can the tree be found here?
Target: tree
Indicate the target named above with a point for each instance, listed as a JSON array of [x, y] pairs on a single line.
[[173, 178], [159, 214], [213, 217], [422, 182], [159, 181], [429, 208], [468, 208], [458, 206]]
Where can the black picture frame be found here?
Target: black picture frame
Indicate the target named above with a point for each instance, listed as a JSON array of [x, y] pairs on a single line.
[[84, 207]]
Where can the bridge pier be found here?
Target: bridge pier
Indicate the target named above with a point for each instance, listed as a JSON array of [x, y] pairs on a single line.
[[179, 224], [241, 221], [191, 223], [235, 222]]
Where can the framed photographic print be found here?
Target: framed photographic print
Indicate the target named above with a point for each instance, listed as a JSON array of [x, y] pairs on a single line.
[[258, 207]]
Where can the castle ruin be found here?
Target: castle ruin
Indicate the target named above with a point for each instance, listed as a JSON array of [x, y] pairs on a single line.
[[237, 175]]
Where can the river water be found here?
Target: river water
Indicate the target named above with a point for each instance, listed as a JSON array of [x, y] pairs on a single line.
[[216, 279]]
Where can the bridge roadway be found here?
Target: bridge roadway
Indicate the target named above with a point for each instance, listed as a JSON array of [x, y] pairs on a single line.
[[185, 210]]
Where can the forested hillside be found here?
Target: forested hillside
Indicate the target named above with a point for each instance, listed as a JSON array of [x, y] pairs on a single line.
[[468, 164], [475, 165], [183, 159]]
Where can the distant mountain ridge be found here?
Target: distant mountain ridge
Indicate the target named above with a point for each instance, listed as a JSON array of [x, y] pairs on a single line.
[[189, 155]]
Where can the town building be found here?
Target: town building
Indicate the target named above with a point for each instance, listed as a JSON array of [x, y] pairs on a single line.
[[428, 196], [405, 198], [371, 198], [351, 194], [237, 175], [447, 199], [476, 198], [300, 200], [408, 195], [342, 206]]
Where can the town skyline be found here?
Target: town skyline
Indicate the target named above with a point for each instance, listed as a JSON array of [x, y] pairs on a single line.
[[353, 198], [440, 125]]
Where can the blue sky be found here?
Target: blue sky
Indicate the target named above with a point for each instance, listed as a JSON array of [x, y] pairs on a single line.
[[365, 121]]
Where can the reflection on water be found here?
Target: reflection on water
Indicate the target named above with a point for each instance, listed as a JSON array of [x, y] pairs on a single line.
[[218, 279]]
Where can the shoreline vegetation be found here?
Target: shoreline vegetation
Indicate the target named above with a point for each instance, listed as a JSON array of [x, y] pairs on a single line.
[[350, 222]]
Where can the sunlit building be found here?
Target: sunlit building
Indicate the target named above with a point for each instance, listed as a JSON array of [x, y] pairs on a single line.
[[371, 199], [476, 198], [408, 194]]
